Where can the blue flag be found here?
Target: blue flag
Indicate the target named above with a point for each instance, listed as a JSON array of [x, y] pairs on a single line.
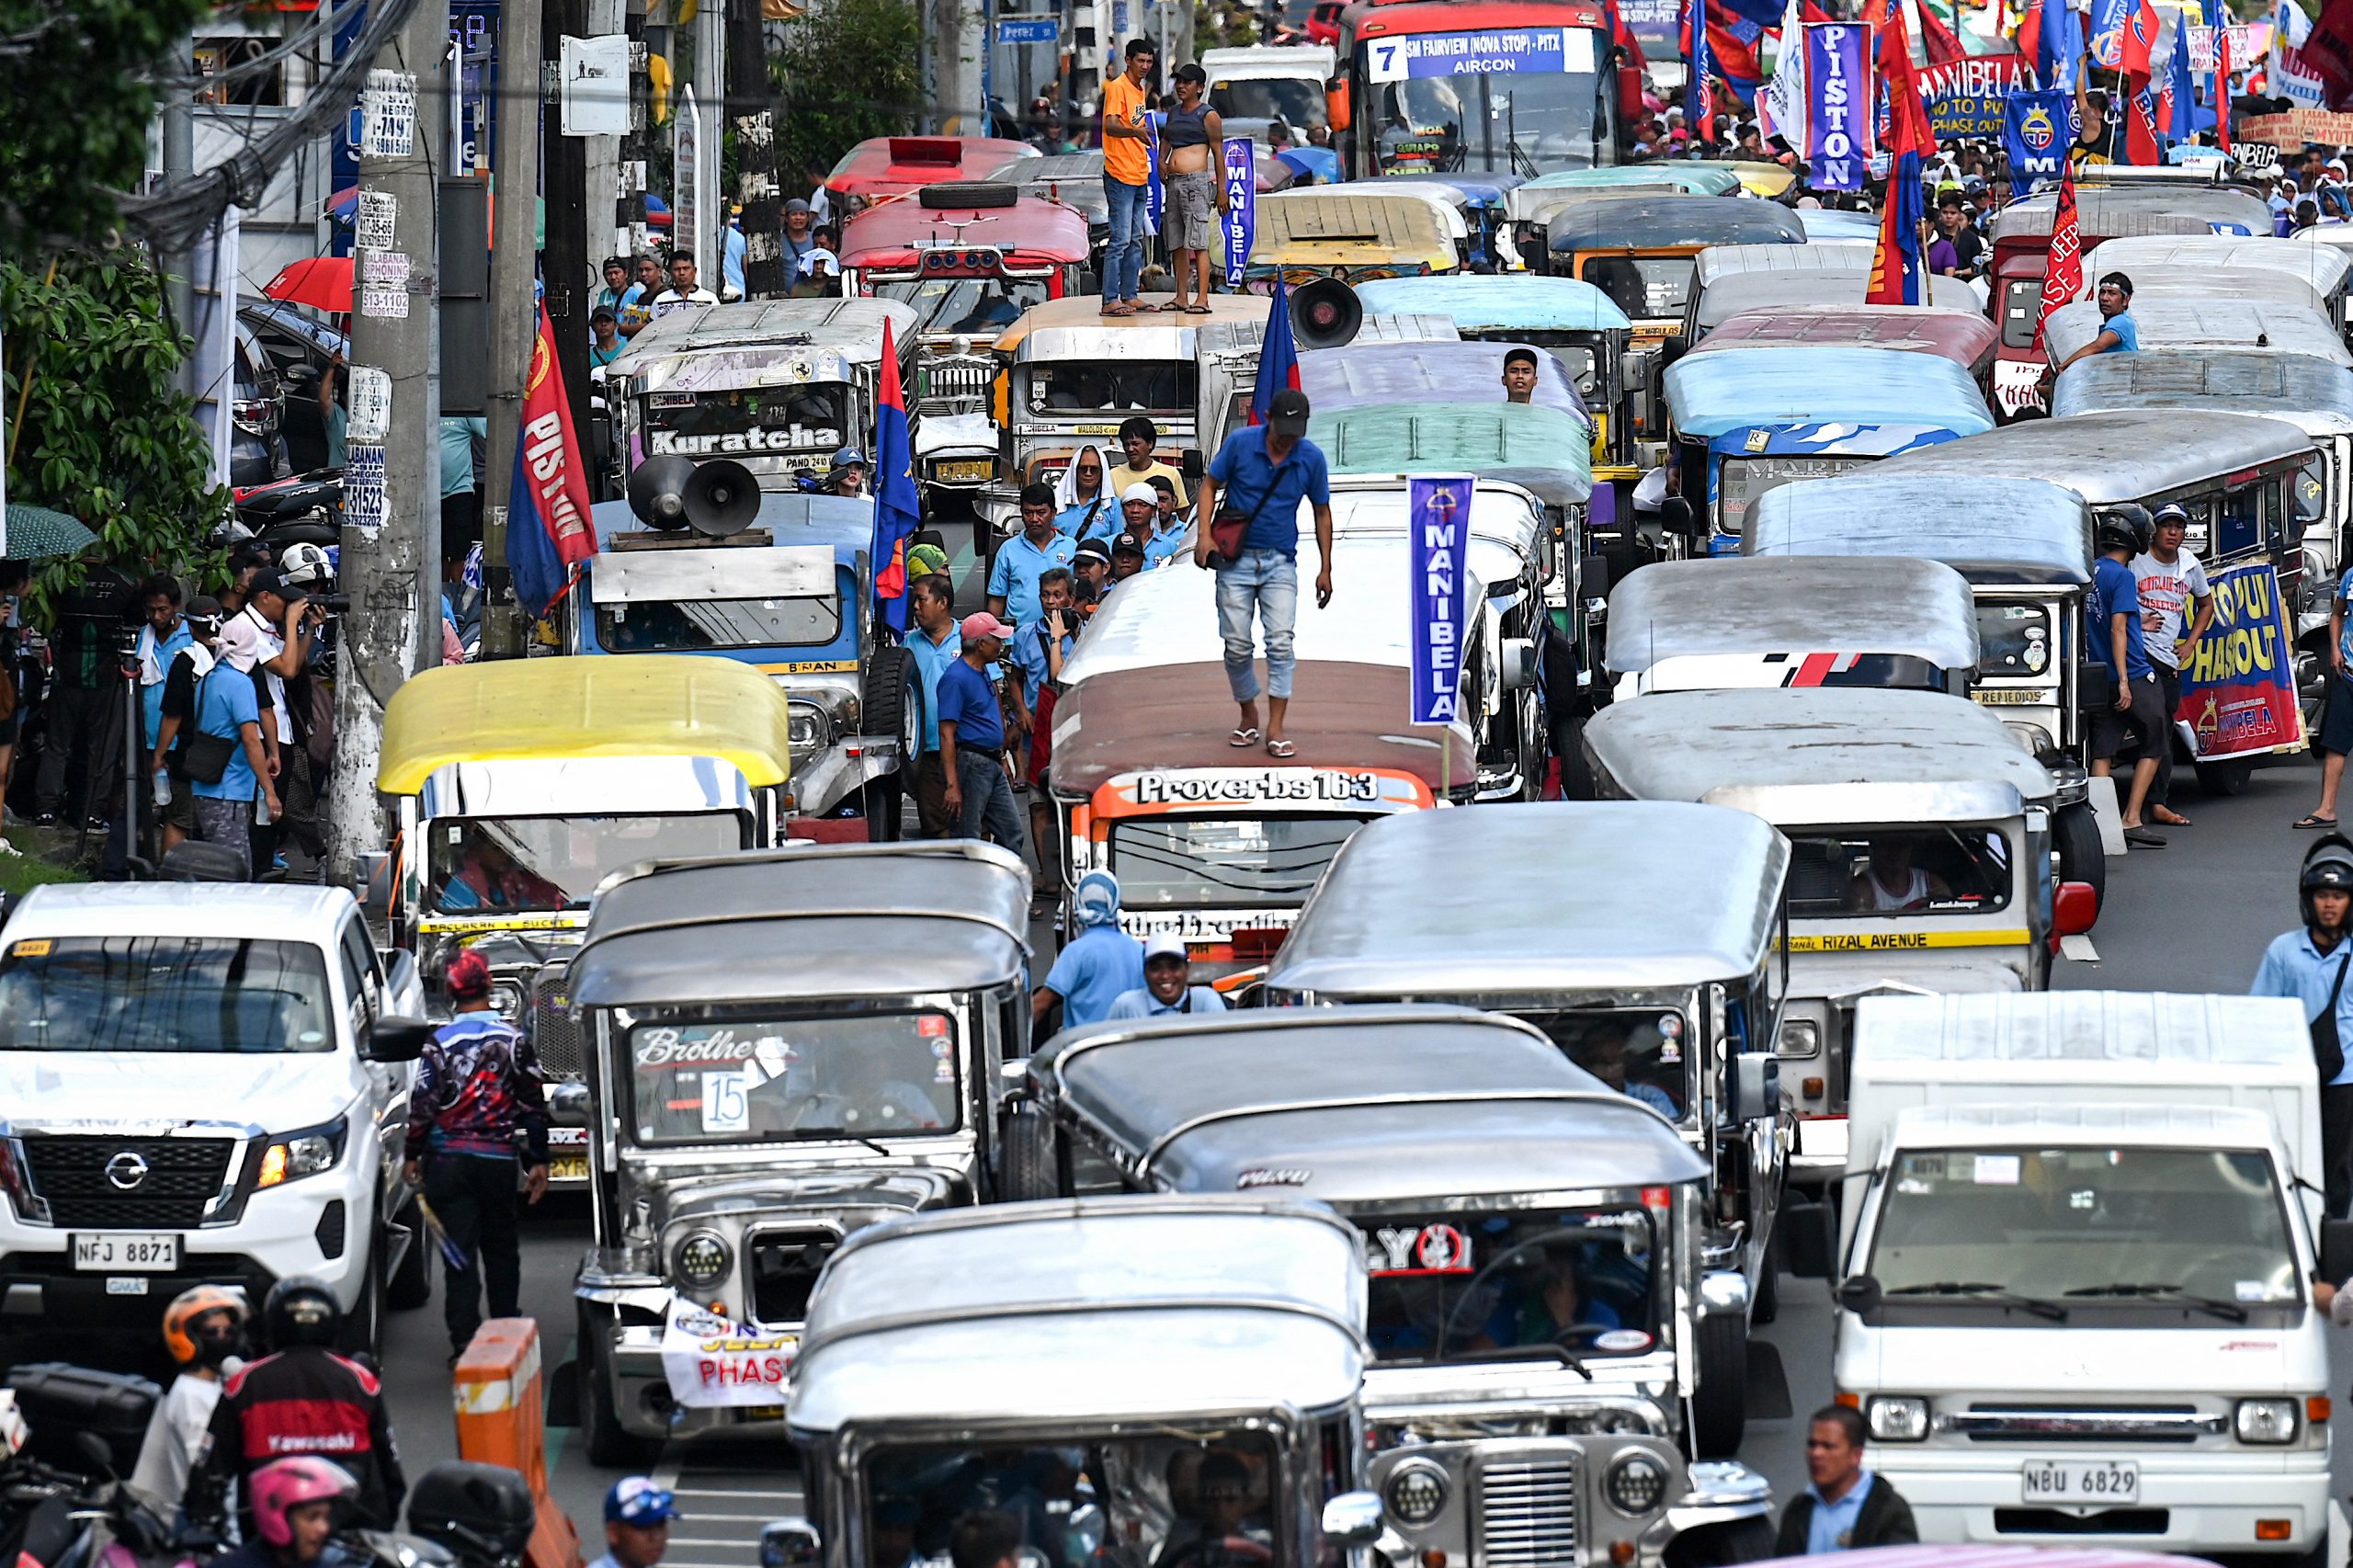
[[1699, 66], [1899, 272], [2036, 129], [2181, 122], [898, 506], [2057, 47], [2109, 18], [1278, 355]]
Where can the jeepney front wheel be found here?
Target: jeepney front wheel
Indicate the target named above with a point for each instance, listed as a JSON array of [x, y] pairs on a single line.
[[1720, 1404], [2081, 859], [890, 703], [1723, 1545], [2226, 778], [608, 1443]]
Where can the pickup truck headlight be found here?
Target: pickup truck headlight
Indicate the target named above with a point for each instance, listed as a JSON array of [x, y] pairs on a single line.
[[298, 1155], [1635, 1484], [2265, 1421], [1902, 1419], [703, 1259]]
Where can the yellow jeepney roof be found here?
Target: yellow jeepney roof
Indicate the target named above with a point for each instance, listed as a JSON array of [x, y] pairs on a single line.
[[1351, 228], [1086, 311], [1767, 180], [585, 706]]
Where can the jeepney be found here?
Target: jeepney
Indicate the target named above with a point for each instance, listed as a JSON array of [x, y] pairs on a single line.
[[1068, 179], [1746, 621], [784, 1048], [2179, 262], [1742, 422], [1432, 374], [2197, 324], [2235, 474], [1920, 855], [1965, 337], [1069, 377], [1252, 88], [779, 386], [1092, 1370], [1843, 280], [1529, 1235], [1532, 206], [969, 259], [1641, 250], [1717, 263], [1354, 233], [1226, 363], [882, 167], [1647, 941], [521, 784], [2026, 547], [1219, 845]]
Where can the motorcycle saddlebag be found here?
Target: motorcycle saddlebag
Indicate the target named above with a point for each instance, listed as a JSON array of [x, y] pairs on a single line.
[[58, 1401], [476, 1510]]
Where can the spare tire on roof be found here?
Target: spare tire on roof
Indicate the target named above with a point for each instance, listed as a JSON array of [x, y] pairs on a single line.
[[963, 193]]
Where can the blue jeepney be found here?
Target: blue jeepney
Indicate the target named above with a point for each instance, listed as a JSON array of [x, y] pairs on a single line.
[[1747, 420], [791, 596], [1360, 373]]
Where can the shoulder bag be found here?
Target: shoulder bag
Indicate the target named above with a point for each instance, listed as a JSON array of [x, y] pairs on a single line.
[[2328, 1050], [1229, 530], [205, 758]]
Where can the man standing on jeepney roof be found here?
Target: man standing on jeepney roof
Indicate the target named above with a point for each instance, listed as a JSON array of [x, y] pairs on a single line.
[[1127, 176]]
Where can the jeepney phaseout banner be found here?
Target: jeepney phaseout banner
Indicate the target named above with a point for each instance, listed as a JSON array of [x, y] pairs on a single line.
[[2238, 684], [1837, 120], [1240, 173], [1437, 519]]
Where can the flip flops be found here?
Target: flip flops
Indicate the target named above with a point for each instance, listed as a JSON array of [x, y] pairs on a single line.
[[2314, 820], [1242, 738], [1281, 748]]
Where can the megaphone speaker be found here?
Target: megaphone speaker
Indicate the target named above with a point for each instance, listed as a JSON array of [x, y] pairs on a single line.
[[722, 498], [1324, 314], [657, 491]]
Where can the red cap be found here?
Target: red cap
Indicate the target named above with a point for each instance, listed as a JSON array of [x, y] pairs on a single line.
[[467, 975]]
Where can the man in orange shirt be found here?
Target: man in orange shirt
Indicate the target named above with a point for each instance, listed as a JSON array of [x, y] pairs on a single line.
[[1127, 176]]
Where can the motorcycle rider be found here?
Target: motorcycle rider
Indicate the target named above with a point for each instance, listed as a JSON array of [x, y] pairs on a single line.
[[293, 1504], [303, 1398], [204, 1329]]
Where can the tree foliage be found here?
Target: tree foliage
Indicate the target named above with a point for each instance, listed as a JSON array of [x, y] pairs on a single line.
[[848, 70], [74, 109], [105, 436]]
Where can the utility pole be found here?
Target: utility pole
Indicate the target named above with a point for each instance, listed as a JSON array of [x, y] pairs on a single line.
[[751, 102], [604, 19], [392, 476], [514, 324], [180, 168], [629, 214], [568, 265]]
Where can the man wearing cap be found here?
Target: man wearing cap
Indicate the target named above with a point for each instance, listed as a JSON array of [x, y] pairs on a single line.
[[935, 643], [1168, 984], [477, 1085], [1127, 560], [1259, 477], [848, 477], [2173, 590], [972, 734], [637, 1518], [796, 241], [1138, 435], [1013, 576], [1090, 566], [1519, 375], [285, 623], [1098, 965], [175, 712], [2118, 332], [226, 709]]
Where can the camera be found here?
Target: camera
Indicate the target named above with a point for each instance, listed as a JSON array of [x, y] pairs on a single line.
[[333, 604]]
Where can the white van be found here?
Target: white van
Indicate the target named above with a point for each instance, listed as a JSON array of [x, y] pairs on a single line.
[[2077, 1242]]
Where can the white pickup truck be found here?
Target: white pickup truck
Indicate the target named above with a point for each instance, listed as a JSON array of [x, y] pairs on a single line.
[[2078, 1238], [201, 1084]]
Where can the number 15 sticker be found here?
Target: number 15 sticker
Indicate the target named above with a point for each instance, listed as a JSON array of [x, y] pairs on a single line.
[[725, 1108]]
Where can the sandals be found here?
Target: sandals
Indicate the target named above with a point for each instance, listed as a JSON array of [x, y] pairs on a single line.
[[1281, 748], [2314, 820], [1241, 738], [1194, 310]]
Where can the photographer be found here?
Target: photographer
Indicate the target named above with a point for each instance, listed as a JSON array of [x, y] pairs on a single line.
[[83, 719], [175, 720]]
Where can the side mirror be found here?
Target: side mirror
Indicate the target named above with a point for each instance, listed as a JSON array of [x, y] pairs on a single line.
[[1859, 1293], [373, 886], [1593, 575], [1671, 347], [1676, 515], [789, 1543], [1353, 1518], [1189, 464], [1515, 663], [1756, 1085], [1634, 369], [1804, 1230], [2074, 909], [397, 1039], [2336, 1250], [569, 1104]]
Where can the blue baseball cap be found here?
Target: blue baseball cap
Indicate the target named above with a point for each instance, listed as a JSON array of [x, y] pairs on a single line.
[[635, 1500]]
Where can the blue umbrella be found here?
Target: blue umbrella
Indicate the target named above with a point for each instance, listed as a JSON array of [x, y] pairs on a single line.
[[1318, 164]]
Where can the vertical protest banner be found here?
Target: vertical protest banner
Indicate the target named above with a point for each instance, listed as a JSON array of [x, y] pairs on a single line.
[[2037, 128], [1438, 513], [2238, 684], [1838, 124], [1240, 172]]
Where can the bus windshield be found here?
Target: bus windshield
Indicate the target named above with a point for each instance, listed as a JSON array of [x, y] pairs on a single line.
[[1511, 122]]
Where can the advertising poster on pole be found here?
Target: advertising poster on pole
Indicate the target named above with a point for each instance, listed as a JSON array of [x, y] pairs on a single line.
[[1241, 223], [1437, 512]]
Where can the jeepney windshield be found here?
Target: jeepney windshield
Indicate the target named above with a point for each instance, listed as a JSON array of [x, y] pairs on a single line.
[[1073, 389], [527, 865], [2022, 311], [1739, 482], [1183, 862], [812, 420], [2014, 641], [1296, 102], [1463, 1286], [1177, 1498], [1512, 121], [866, 1075], [2153, 1224], [1643, 286], [1898, 870], [977, 306], [1641, 1053], [693, 625]]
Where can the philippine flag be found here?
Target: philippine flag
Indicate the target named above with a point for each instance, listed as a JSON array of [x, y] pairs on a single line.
[[549, 533], [898, 506], [1278, 355]]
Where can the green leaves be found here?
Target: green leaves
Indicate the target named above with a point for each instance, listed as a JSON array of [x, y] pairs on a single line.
[[849, 70]]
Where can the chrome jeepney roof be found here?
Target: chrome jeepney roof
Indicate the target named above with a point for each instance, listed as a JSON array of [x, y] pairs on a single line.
[[1084, 1311], [842, 920], [2141, 256], [1355, 375], [1569, 896], [1850, 755], [2107, 458], [1361, 1104], [1844, 281], [1075, 328], [2313, 394], [769, 342], [2013, 531], [2180, 326], [1898, 605]]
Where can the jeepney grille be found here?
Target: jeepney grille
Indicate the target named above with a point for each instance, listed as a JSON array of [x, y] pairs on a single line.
[[1528, 1514], [554, 1036], [181, 1175], [950, 377], [784, 1265]]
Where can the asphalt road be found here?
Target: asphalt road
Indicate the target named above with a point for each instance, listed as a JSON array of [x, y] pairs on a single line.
[[2193, 916]]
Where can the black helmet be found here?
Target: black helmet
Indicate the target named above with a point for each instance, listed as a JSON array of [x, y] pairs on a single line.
[[303, 1311], [2125, 525], [2329, 866]]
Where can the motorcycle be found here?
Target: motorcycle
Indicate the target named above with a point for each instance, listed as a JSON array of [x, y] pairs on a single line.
[[305, 509]]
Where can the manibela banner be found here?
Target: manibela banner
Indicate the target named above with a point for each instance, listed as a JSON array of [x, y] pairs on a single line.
[[2238, 684], [1438, 516], [1837, 140], [2037, 128], [712, 1363], [1241, 175]]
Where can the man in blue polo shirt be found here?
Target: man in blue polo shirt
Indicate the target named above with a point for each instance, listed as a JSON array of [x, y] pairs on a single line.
[[935, 644], [2139, 710], [2309, 963], [1098, 965], [1012, 576], [971, 736], [1262, 475]]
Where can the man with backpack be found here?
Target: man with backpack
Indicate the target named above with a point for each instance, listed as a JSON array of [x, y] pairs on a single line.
[[2309, 964]]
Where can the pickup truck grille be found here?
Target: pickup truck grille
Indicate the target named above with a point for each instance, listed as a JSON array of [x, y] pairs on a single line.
[[554, 1036], [176, 1178], [1528, 1515]]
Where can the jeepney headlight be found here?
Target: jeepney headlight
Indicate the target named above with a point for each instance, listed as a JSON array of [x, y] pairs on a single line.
[[1902, 1419], [808, 730], [1414, 1492], [1800, 1037], [2031, 738], [1635, 1484], [506, 1000], [2265, 1421], [703, 1259]]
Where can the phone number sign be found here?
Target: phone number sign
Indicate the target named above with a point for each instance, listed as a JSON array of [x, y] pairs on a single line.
[[1505, 51]]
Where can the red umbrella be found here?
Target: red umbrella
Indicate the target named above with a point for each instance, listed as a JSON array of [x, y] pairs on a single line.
[[322, 282]]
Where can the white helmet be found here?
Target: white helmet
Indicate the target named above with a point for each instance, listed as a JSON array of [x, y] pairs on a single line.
[[307, 565]]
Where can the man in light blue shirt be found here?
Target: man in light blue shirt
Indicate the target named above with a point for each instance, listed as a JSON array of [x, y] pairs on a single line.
[[1021, 559], [2309, 964], [1101, 964], [2118, 332], [935, 643], [1169, 989], [1844, 1508]]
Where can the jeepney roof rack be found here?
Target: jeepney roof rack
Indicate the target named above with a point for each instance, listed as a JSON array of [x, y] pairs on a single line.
[[688, 541]]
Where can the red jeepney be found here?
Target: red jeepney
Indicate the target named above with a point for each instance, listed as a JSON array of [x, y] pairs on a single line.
[[1964, 338], [884, 166]]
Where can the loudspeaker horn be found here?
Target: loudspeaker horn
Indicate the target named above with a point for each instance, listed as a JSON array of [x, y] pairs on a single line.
[[657, 491], [1324, 314], [722, 498]]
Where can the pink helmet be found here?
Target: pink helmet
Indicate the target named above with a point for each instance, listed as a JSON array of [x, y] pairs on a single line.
[[285, 1485]]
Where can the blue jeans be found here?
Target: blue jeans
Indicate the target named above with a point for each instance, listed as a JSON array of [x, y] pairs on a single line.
[[1267, 582], [989, 812], [1124, 257]]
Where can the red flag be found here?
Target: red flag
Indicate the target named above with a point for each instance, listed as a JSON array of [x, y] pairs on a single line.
[[2139, 35], [2063, 273], [2141, 147], [548, 530], [2030, 33], [1941, 42], [2223, 83], [2328, 53], [1908, 130]]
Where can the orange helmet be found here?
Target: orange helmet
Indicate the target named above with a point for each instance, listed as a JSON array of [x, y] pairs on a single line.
[[189, 1306]]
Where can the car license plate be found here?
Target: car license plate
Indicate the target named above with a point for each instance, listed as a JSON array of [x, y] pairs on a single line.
[[128, 1252], [2099, 1483], [568, 1167], [977, 472]]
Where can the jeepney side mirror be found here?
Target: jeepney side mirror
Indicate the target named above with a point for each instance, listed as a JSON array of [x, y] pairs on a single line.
[[568, 1104], [1515, 663], [2074, 909], [2336, 1250], [373, 886], [395, 1039], [1593, 575], [1189, 464], [1756, 1085], [789, 1543], [1676, 515], [1351, 1519], [1804, 1230], [1860, 1294], [1636, 370], [1672, 347]]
